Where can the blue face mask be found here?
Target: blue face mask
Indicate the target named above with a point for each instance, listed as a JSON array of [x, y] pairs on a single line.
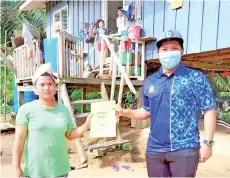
[[170, 59]]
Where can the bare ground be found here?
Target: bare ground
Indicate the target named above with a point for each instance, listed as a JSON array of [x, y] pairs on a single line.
[[217, 166]]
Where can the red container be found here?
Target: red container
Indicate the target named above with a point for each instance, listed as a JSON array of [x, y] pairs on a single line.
[[134, 32]]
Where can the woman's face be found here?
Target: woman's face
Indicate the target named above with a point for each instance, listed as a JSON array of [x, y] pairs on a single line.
[[45, 88], [101, 24], [119, 13]]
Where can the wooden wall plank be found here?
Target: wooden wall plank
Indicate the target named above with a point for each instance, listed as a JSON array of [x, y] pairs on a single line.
[[97, 15], [195, 25], [81, 12], [148, 25], [158, 22], [48, 20], [170, 17], [76, 18], [71, 17], [210, 22], [86, 20], [223, 40], [182, 21], [91, 21]]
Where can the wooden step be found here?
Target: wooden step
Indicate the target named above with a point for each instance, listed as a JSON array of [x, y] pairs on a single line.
[[82, 115], [86, 101], [107, 144], [97, 70]]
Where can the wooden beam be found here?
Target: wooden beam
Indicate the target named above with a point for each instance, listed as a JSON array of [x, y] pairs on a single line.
[[6, 48], [83, 97], [82, 115], [220, 57], [94, 81], [104, 94], [207, 66], [86, 101], [201, 65], [140, 40], [140, 124], [66, 101], [113, 81]]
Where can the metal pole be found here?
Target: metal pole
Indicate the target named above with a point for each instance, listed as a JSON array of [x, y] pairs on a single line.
[[5, 80]]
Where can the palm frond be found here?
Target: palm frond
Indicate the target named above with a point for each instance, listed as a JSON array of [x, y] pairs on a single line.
[[222, 82], [13, 19]]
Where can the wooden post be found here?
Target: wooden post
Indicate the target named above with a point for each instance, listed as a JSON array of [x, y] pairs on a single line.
[[60, 55], [120, 59], [104, 94], [20, 98], [5, 80], [121, 90], [136, 59], [66, 101], [140, 124], [143, 61], [83, 97], [127, 63], [75, 59], [111, 62], [67, 67], [102, 57], [79, 60], [113, 81], [120, 93], [82, 60]]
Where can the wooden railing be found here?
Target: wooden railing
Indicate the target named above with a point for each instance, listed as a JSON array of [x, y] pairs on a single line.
[[132, 60], [70, 56], [26, 61], [115, 63]]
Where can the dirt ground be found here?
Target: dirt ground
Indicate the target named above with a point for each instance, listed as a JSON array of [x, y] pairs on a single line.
[[217, 166]]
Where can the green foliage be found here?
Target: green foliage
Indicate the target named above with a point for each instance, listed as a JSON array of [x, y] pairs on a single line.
[[129, 100], [8, 109], [224, 116], [9, 83], [222, 82], [75, 94], [126, 147], [223, 94], [12, 19]]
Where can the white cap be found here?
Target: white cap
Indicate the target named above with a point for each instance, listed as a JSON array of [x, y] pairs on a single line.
[[44, 68]]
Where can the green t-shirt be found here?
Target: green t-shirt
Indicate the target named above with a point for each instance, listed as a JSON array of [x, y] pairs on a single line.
[[46, 153]]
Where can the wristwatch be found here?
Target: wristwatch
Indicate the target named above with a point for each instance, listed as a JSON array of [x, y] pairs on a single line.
[[209, 142]]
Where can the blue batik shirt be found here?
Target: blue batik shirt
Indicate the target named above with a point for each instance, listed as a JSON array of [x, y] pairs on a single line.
[[173, 103]]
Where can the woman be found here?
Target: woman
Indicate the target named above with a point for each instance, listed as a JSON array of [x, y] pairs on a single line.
[[42, 127]]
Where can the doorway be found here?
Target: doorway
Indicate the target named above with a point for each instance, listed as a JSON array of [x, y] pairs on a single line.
[[112, 15]]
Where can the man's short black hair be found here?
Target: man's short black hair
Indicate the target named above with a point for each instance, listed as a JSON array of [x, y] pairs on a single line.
[[119, 8]]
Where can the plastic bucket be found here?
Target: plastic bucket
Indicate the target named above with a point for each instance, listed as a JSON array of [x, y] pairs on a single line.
[[134, 32], [29, 96]]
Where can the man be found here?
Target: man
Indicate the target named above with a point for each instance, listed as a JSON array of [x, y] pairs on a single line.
[[171, 98]]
